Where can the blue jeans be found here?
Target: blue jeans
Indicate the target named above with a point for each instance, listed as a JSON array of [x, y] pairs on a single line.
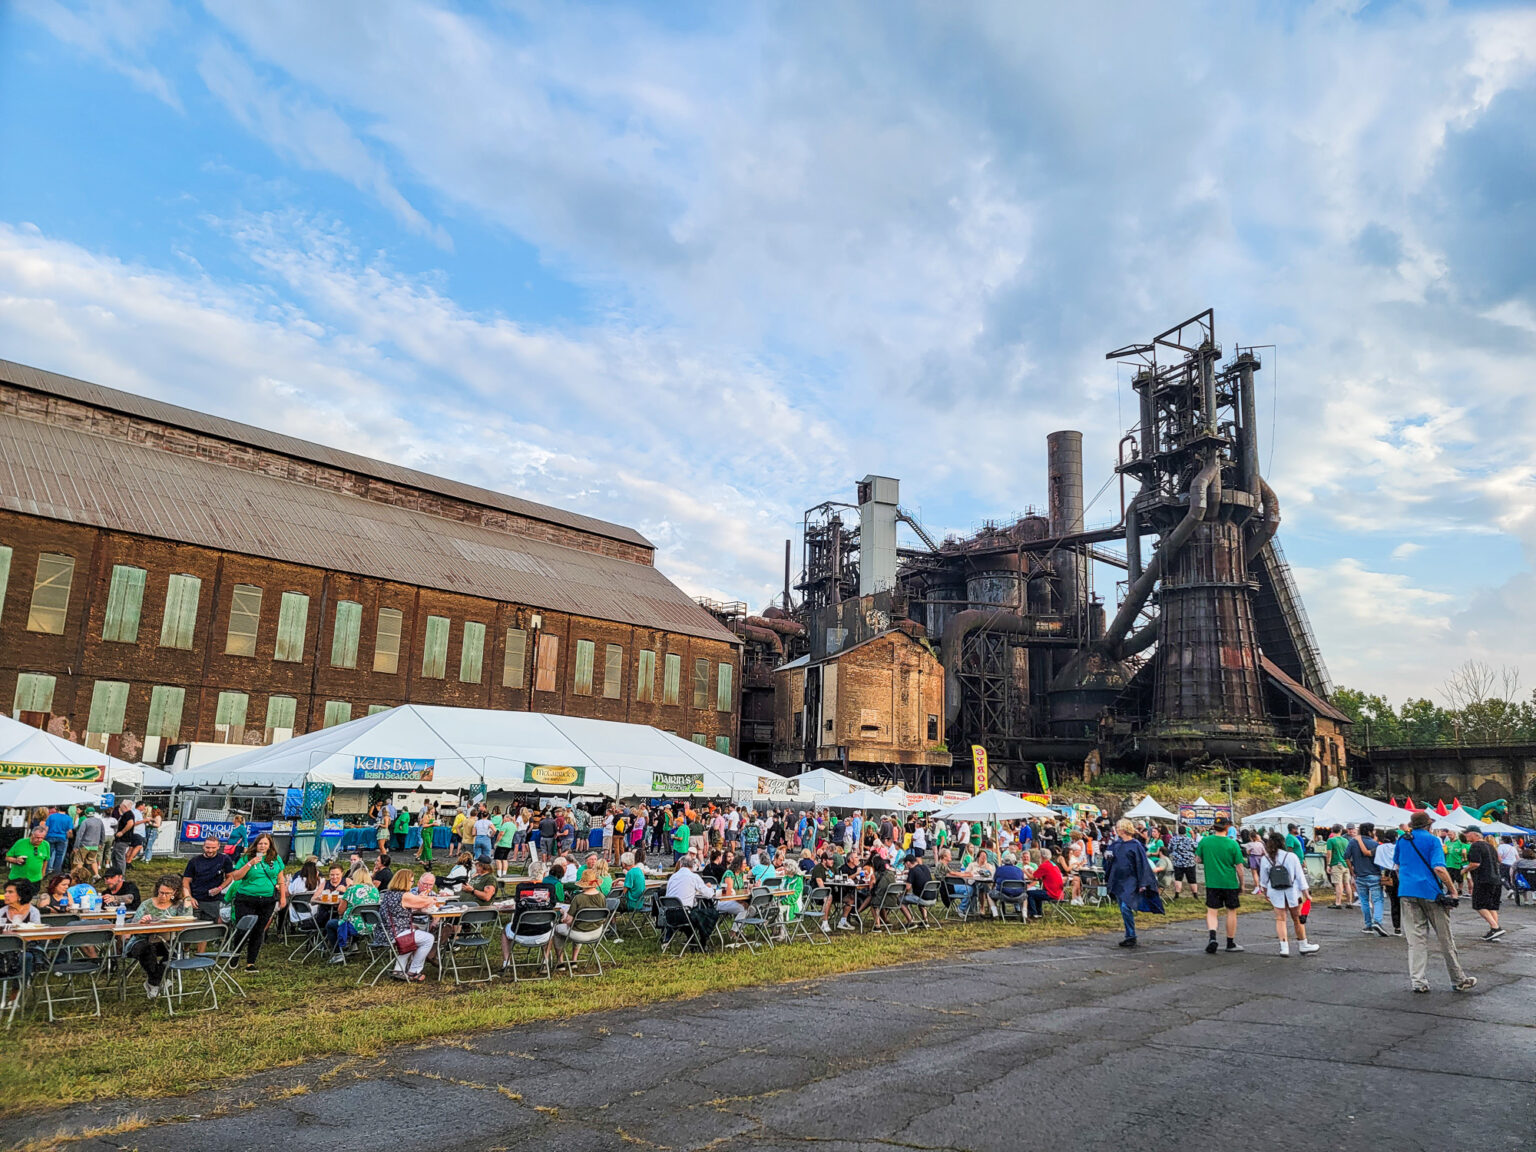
[[56, 852], [1128, 918], [482, 848], [1371, 906], [964, 892]]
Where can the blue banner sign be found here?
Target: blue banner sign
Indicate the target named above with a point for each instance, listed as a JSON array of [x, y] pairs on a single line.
[[391, 768]]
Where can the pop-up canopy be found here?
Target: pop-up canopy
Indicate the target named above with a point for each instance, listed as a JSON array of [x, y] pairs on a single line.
[[28, 751], [1335, 806], [1148, 808], [40, 792], [995, 804], [470, 749], [825, 782]]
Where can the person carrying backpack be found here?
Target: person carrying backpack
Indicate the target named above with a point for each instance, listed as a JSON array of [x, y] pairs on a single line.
[[1284, 881]]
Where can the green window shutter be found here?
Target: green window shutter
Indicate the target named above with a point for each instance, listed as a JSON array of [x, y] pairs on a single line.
[[181, 597], [701, 738], [292, 623], [645, 676], [50, 594], [723, 699], [472, 654], [125, 596], [723, 745], [109, 701], [165, 706], [34, 693], [434, 649], [514, 664], [386, 641], [244, 620], [281, 711], [613, 672], [5, 575], [700, 683], [584, 653], [671, 678], [231, 710], [349, 625], [337, 712], [375, 709]]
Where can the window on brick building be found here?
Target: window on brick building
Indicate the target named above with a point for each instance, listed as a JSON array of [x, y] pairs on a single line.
[[33, 703], [434, 648], [933, 729], [701, 683], [336, 712], [671, 678], [613, 672], [585, 651], [645, 676], [800, 727], [348, 630], [5, 575], [163, 727], [723, 699], [515, 660], [182, 593], [50, 594], [282, 714], [229, 718], [386, 641], [723, 745], [701, 738], [125, 597], [472, 653], [244, 620], [109, 703], [546, 666], [292, 624]]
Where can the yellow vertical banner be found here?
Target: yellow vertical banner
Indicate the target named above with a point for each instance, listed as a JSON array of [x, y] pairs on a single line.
[[979, 763]]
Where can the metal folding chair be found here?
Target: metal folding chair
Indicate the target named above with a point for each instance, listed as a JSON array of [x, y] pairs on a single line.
[[1058, 909], [311, 939], [953, 908], [477, 927], [1010, 894], [13, 989], [762, 918], [883, 914], [232, 954], [675, 922], [534, 931], [586, 927], [926, 899], [380, 956], [67, 960], [812, 908], [184, 963]]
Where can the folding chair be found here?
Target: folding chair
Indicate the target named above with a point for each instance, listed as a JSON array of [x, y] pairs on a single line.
[[534, 931], [66, 959], [926, 899], [380, 956], [306, 927], [476, 929], [1058, 909], [1010, 894], [640, 916], [233, 953], [954, 906], [183, 962], [58, 919], [812, 908], [586, 927], [890, 921], [12, 986], [1523, 886], [762, 918], [676, 921]]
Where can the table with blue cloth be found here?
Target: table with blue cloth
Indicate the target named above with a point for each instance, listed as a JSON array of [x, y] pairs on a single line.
[[364, 839]]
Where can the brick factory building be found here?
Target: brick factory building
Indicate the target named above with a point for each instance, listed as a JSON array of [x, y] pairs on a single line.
[[168, 576]]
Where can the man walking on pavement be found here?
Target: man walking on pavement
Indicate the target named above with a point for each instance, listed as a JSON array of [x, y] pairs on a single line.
[[1361, 858], [1338, 875], [1422, 880], [1487, 881], [1225, 879]]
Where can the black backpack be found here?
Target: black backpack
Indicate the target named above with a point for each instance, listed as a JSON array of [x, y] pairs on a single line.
[[1279, 878]]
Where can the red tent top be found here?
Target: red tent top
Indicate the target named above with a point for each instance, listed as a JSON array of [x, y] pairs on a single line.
[[1392, 800], [1456, 803], [1440, 809]]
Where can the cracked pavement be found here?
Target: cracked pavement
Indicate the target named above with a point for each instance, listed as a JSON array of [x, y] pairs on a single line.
[[1028, 1046]]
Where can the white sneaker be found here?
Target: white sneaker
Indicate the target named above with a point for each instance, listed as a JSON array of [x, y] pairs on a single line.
[[151, 990], [845, 926], [1078, 902], [825, 927], [1307, 946], [1285, 949]]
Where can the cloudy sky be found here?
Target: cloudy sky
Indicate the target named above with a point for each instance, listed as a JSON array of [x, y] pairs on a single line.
[[697, 267]]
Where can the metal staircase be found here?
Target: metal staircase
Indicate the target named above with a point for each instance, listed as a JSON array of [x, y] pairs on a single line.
[[1285, 633]]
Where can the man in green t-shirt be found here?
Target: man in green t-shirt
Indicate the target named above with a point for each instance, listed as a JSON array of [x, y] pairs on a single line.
[[29, 856], [1338, 875], [1225, 878], [680, 840], [1456, 859]]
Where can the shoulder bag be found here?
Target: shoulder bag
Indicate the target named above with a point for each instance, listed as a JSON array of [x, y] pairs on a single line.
[[1445, 901]]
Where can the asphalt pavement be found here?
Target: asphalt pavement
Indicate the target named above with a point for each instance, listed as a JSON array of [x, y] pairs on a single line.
[[1077, 1044]]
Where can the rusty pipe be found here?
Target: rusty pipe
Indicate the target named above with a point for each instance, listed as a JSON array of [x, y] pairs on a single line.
[[781, 626], [762, 636], [958, 627], [1268, 526]]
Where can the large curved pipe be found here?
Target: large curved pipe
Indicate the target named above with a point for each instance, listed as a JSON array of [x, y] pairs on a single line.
[[1133, 539], [762, 635], [781, 626], [1204, 494], [1268, 526], [958, 627]]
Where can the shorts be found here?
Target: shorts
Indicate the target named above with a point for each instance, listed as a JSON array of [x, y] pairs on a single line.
[[1336, 876], [1182, 873], [1218, 898], [1455, 874], [1487, 897], [503, 851]]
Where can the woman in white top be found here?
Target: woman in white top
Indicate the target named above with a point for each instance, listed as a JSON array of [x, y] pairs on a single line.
[[1284, 881], [1386, 860]]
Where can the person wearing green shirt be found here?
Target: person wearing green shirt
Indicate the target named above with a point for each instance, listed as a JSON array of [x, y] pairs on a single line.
[[1456, 859], [257, 888], [680, 839], [428, 824], [29, 856], [1338, 874], [634, 887], [506, 835], [1225, 878], [400, 828]]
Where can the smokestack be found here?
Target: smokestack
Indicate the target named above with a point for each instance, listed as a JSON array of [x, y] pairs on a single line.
[[786, 575], [1064, 484], [878, 498]]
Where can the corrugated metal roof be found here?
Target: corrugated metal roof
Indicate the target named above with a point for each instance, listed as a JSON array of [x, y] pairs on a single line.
[[1300, 693], [52, 383], [66, 474]]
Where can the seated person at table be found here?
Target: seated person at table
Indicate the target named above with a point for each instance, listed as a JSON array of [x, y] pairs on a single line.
[[1050, 884], [346, 925], [304, 883], [53, 896], [959, 879], [461, 871], [1009, 870], [398, 905], [807, 861], [763, 872], [18, 903], [594, 861], [715, 869], [152, 952], [327, 893], [81, 890], [588, 895], [634, 883], [118, 890], [481, 887], [733, 888], [919, 876], [383, 873], [884, 881]]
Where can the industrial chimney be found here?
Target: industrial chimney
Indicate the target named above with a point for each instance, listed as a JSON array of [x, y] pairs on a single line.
[[1064, 484], [878, 497]]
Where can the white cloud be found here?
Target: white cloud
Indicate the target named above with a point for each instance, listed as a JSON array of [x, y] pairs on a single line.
[[1406, 549], [116, 32]]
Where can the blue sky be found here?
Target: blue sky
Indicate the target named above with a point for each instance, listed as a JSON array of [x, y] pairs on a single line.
[[697, 267]]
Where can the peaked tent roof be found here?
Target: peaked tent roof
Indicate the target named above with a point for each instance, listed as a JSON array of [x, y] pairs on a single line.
[[23, 744], [826, 782], [1147, 806], [1335, 806], [995, 804]]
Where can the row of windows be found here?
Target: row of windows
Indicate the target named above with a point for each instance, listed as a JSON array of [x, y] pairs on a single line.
[[125, 596], [109, 705]]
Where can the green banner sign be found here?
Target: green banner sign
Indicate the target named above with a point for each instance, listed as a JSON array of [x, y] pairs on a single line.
[[68, 773], [554, 775], [677, 782]]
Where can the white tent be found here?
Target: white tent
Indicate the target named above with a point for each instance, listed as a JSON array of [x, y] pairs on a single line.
[[1150, 809], [1455, 821], [1335, 806], [40, 792], [468, 749], [22, 745], [904, 801], [1201, 802], [825, 782], [865, 801], [995, 804], [1499, 828]]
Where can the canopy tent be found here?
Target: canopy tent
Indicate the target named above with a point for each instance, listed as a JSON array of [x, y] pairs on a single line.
[[825, 782], [23, 746], [905, 801], [1201, 802], [864, 800], [1148, 808], [470, 749], [1499, 828], [41, 792], [1335, 806], [1455, 821], [995, 804]]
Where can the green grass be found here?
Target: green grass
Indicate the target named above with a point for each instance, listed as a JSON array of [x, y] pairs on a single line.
[[295, 1013]]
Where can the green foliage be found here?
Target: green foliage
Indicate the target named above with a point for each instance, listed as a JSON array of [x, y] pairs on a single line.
[[1421, 722]]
